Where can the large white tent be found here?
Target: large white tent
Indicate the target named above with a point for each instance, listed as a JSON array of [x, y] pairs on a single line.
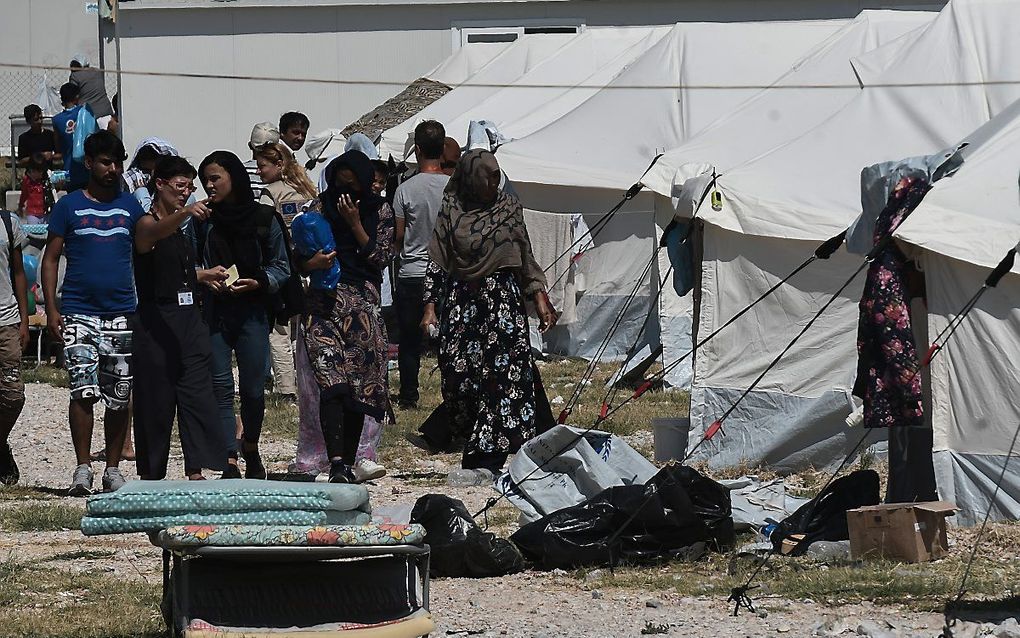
[[962, 228], [918, 95], [553, 84], [815, 88], [583, 160], [694, 75], [502, 69]]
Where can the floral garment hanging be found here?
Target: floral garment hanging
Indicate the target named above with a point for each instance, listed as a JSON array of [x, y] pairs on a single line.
[[888, 372]]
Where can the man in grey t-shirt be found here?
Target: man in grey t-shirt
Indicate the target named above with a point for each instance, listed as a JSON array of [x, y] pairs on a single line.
[[13, 339], [416, 205], [92, 89]]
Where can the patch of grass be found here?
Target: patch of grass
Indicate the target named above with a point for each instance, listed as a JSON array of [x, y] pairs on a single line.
[[559, 377], [80, 554], [46, 373], [40, 517], [503, 519], [25, 493], [925, 586], [281, 420], [50, 603]]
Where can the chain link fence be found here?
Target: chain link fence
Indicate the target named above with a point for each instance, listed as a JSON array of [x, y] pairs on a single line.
[[18, 89]]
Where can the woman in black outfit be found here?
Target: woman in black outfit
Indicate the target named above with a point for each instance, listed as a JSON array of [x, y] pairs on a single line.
[[170, 339], [345, 336]]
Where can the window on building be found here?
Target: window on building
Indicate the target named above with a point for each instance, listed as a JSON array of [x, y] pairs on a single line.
[[471, 34]]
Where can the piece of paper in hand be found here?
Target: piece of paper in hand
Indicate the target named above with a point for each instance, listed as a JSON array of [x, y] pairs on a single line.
[[232, 275]]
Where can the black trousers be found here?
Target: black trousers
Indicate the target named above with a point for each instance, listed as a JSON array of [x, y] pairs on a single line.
[[172, 365], [410, 305], [341, 427], [911, 466]]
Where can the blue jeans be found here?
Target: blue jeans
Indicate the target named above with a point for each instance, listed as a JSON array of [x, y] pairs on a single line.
[[241, 330]]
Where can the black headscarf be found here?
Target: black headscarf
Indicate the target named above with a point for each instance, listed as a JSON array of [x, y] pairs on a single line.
[[234, 238], [237, 217], [353, 265]]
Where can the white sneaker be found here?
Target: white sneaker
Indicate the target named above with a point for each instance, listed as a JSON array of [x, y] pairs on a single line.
[[81, 481], [366, 470]]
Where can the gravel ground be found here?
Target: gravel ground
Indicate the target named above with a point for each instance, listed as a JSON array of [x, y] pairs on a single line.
[[532, 604]]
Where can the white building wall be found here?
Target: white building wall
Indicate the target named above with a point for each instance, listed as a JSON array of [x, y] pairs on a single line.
[[363, 54], [43, 33]]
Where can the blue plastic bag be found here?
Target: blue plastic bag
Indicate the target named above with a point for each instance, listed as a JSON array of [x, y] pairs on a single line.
[[311, 233], [85, 125]]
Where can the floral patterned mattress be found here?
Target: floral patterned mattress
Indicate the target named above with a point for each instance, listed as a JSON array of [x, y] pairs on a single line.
[[187, 536]]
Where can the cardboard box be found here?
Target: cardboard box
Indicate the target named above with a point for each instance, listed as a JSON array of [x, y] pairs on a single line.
[[908, 532]]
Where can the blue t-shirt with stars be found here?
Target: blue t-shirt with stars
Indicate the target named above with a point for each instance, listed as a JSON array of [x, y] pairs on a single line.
[[98, 244]]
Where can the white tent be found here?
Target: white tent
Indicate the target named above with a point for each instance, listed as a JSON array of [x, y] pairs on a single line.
[[581, 161], [552, 85], [919, 95], [507, 66], [691, 77], [962, 228], [815, 88], [465, 62]]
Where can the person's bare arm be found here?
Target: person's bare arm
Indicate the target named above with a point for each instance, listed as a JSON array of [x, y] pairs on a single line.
[[398, 239], [149, 230], [50, 263]]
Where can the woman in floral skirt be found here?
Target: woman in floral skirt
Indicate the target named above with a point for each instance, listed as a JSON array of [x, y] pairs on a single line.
[[482, 271]]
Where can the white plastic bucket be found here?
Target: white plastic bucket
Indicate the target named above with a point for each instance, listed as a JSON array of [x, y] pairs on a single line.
[[669, 438]]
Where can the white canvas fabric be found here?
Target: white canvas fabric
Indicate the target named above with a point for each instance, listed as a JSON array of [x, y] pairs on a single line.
[[661, 99], [505, 67], [933, 91], [816, 87], [465, 62], [788, 200], [554, 83]]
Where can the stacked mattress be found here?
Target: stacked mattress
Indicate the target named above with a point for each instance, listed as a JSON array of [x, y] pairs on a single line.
[[154, 506]]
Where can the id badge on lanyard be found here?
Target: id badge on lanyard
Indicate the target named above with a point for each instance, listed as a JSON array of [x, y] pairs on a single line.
[[185, 298]]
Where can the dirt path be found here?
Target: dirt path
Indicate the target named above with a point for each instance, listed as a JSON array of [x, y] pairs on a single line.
[[530, 605]]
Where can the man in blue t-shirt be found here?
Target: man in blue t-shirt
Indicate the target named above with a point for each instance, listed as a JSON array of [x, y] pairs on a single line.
[[63, 124], [94, 228]]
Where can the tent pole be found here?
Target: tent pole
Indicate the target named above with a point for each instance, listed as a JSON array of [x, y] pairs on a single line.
[[120, 98]]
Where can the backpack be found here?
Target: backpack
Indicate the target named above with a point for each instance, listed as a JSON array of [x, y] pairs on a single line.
[[289, 300]]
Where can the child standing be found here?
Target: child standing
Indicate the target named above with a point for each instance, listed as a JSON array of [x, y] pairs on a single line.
[[36, 192]]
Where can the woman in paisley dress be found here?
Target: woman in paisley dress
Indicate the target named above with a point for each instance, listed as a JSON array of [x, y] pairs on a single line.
[[344, 333], [482, 270]]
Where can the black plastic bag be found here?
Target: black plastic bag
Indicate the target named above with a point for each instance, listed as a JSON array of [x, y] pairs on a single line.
[[459, 547], [678, 514], [823, 518]]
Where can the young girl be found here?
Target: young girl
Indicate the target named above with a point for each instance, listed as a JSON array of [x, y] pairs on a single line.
[[287, 186]]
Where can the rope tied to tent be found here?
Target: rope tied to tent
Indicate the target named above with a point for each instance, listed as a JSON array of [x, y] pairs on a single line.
[[646, 385], [824, 251], [601, 224]]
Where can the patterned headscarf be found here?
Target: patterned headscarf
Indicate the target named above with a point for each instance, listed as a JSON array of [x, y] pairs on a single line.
[[477, 235]]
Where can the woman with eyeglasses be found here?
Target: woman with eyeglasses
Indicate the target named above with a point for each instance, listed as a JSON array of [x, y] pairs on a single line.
[[171, 348]]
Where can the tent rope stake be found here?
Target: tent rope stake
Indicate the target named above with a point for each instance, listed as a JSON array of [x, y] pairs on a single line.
[[739, 595]]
